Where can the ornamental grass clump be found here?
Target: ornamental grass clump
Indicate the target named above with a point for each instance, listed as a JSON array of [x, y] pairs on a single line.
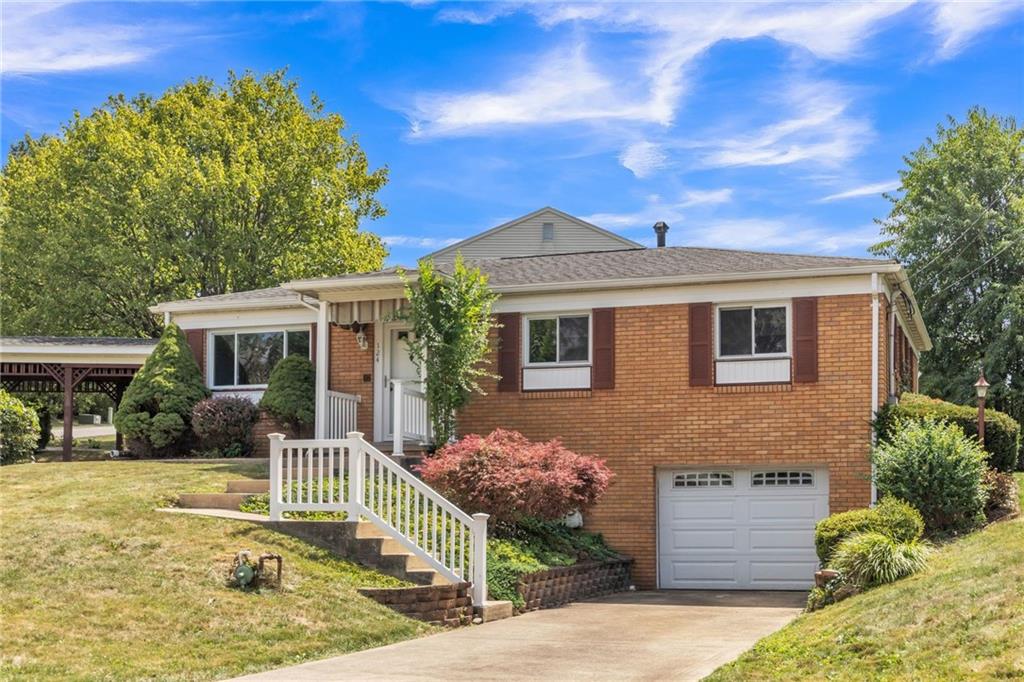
[[512, 478], [870, 559], [891, 517]]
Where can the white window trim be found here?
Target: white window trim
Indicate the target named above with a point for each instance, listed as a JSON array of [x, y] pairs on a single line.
[[717, 326], [211, 377], [525, 344]]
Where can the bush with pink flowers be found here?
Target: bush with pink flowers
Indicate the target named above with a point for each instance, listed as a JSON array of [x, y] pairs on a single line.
[[511, 478]]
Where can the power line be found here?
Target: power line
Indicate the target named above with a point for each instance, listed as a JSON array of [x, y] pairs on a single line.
[[918, 270], [975, 270]]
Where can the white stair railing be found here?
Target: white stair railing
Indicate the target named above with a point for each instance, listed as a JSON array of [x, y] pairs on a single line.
[[350, 475], [342, 414], [410, 419]]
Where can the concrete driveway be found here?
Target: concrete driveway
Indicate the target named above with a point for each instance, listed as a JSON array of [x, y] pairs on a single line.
[[670, 635]]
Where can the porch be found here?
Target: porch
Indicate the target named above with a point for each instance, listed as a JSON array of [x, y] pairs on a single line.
[[366, 380]]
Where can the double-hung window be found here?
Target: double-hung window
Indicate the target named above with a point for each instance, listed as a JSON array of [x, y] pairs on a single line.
[[246, 358], [752, 331]]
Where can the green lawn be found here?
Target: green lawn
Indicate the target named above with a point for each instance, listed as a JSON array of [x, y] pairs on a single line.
[[96, 584], [963, 618]]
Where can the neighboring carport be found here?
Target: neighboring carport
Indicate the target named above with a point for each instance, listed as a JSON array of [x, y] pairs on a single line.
[[69, 365]]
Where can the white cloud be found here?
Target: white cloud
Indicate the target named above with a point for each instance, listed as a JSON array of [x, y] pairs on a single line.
[[646, 88], [957, 23], [57, 38], [643, 158], [819, 129], [420, 242], [774, 234], [656, 208], [871, 190], [563, 87]]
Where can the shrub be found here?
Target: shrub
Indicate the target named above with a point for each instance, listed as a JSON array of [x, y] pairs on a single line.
[[937, 469], [225, 425], [511, 478], [1003, 499], [891, 517], [156, 410], [291, 392], [1002, 432], [869, 559], [45, 426], [506, 561], [19, 429]]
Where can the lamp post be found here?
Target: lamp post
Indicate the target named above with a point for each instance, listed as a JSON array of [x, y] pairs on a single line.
[[981, 388]]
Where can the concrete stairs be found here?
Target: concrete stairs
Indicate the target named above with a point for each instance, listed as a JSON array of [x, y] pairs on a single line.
[[361, 541]]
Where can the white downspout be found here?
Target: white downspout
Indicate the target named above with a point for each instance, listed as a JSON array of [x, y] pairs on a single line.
[[874, 370], [892, 346], [322, 359]]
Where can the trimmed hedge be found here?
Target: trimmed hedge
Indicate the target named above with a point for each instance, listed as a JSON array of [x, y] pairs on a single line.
[[156, 411], [891, 517], [291, 392], [1002, 432]]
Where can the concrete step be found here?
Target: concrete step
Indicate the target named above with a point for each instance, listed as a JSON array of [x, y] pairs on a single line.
[[249, 485], [212, 500]]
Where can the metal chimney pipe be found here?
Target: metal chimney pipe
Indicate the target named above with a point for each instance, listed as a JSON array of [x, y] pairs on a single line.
[[660, 229]]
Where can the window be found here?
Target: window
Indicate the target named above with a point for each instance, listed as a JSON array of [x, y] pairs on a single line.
[[247, 358], [547, 232], [752, 330], [561, 339], [703, 479], [782, 478]]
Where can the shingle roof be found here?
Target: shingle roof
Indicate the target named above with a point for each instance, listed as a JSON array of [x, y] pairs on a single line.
[[118, 341], [674, 261], [269, 294]]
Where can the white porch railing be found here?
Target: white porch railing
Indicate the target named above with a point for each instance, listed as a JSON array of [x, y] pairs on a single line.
[[342, 413], [350, 475], [410, 419]]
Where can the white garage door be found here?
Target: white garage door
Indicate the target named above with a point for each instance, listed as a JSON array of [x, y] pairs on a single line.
[[739, 528]]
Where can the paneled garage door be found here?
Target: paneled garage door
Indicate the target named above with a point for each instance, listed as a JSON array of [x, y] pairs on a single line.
[[732, 529]]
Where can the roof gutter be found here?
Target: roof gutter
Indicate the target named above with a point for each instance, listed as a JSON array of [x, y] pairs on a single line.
[[635, 283]]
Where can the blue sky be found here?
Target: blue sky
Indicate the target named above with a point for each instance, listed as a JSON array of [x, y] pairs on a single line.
[[748, 125]]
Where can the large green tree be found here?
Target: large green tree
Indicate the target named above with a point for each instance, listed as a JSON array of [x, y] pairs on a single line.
[[205, 189], [958, 228]]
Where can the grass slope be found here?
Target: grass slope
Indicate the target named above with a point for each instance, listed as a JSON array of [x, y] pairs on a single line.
[[963, 618], [96, 584]]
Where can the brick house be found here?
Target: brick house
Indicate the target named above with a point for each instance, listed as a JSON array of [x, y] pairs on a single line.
[[731, 392]]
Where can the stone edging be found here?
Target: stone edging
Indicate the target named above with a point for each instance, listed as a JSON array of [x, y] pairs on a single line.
[[448, 605], [563, 584]]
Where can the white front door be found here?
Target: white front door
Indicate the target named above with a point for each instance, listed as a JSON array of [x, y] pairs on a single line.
[[731, 528], [398, 364]]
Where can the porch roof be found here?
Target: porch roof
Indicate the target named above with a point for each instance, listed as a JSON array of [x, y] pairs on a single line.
[[78, 350]]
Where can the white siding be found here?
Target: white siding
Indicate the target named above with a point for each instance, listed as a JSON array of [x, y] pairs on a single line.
[[524, 237]]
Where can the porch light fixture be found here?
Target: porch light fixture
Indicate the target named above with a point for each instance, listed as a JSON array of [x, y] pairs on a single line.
[[360, 331], [981, 389]]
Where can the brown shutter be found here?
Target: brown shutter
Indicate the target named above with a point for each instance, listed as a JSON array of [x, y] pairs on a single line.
[[805, 340], [700, 344], [604, 348], [197, 340], [312, 343], [508, 352]]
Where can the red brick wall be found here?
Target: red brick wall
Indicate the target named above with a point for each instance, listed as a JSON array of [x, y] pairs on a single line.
[[266, 425], [654, 418], [349, 368]]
